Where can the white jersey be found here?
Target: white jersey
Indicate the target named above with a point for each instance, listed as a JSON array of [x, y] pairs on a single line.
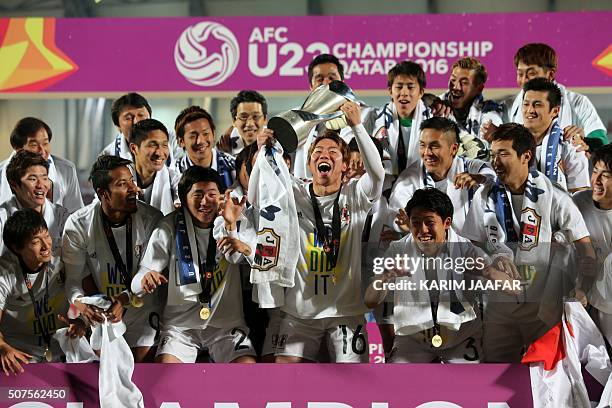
[[576, 109], [599, 223], [564, 216], [412, 308], [574, 170], [162, 193], [415, 177], [120, 147], [55, 216], [226, 301], [66, 190], [319, 290], [18, 324], [86, 250]]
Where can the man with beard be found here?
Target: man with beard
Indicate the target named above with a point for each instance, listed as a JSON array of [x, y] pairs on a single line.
[[195, 131], [325, 304], [515, 216], [557, 158], [103, 247], [204, 302], [469, 108], [35, 136], [27, 176], [158, 183]]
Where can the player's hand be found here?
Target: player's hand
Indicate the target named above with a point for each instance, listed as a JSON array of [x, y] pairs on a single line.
[[486, 131], [352, 113], [506, 266], [231, 209], [76, 327], [494, 274], [229, 246], [225, 143], [467, 181], [441, 108], [115, 311], [12, 359], [89, 312], [580, 296], [152, 280], [403, 220], [265, 137]]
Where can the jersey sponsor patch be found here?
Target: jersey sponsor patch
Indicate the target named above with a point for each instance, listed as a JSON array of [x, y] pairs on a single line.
[[267, 250]]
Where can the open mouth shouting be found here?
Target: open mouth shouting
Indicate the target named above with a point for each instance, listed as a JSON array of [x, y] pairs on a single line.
[[324, 168]]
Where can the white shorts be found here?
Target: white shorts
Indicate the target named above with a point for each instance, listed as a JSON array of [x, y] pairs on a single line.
[[271, 341], [461, 346], [224, 345], [346, 337], [140, 330]]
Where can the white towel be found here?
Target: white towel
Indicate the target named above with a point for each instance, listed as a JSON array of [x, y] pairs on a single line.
[[165, 190], [76, 350], [115, 386], [278, 242], [414, 306]]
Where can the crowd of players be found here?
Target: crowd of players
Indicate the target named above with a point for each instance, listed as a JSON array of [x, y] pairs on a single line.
[[171, 238]]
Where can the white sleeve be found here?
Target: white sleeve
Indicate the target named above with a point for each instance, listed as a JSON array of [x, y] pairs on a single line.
[[159, 249], [566, 216], [7, 282], [576, 167], [74, 256], [586, 114], [73, 200], [473, 228], [371, 182]]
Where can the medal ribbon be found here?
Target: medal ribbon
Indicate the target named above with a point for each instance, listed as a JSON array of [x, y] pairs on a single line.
[[504, 212], [43, 328], [187, 274], [124, 270], [207, 269], [330, 246]]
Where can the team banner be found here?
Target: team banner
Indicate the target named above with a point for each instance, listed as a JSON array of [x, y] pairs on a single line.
[[272, 53], [281, 386]]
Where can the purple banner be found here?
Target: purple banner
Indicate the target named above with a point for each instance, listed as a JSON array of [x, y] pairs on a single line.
[[282, 386], [272, 53]]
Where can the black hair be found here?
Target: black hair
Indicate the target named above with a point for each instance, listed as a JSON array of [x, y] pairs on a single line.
[[544, 85], [131, 99], [140, 130], [192, 115], [19, 164], [444, 125], [25, 128], [409, 69], [100, 170], [246, 97], [522, 139], [325, 59], [603, 154], [196, 174], [21, 227], [433, 200], [354, 147]]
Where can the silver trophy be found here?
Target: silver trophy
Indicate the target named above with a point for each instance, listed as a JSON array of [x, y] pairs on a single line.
[[291, 128]]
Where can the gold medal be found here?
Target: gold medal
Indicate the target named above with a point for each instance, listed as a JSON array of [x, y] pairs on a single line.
[[48, 355], [136, 301], [204, 313], [436, 341]]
